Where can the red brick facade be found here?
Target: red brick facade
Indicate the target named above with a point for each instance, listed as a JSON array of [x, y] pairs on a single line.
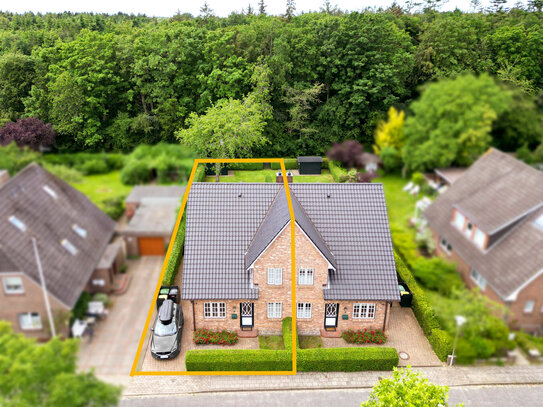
[[516, 316], [278, 255]]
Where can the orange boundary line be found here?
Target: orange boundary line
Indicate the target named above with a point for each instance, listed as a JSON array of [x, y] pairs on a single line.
[[281, 161]]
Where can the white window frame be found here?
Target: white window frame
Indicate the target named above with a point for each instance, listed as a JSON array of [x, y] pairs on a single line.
[[456, 222], [9, 291], [79, 230], [529, 307], [275, 276], [99, 282], [303, 310], [70, 248], [274, 310], [469, 229], [445, 245], [478, 279], [305, 276], [363, 310], [479, 238], [34, 319], [214, 310], [18, 223]]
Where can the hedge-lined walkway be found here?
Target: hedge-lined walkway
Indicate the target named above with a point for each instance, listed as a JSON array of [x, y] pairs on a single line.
[[405, 335]]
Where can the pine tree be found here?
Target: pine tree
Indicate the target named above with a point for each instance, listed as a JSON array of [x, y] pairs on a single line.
[[291, 8], [250, 10], [261, 8], [205, 11]]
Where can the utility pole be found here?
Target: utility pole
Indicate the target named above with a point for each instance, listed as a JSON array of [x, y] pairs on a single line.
[[44, 288]]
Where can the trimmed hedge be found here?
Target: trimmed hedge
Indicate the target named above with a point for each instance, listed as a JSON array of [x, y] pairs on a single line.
[[290, 164], [346, 359], [176, 255], [325, 162], [229, 360], [200, 174], [287, 334], [337, 172], [439, 339], [246, 166]]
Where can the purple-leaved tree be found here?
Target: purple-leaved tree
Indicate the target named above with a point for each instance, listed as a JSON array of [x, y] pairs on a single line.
[[28, 132], [348, 153]]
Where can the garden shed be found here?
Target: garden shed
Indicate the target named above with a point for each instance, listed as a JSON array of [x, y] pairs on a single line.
[[309, 165]]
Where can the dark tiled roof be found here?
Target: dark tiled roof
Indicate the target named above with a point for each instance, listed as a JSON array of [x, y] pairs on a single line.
[[51, 220], [276, 219], [352, 224], [310, 159], [496, 190]]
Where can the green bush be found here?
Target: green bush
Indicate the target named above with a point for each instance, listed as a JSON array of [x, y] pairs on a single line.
[[13, 159], [229, 360], [246, 166], [290, 164], [94, 166], [102, 297], [67, 174], [437, 274], [418, 179], [338, 173], [346, 359], [391, 159], [113, 206], [200, 174], [425, 314], [287, 334], [404, 244], [176, 255], [80, 308], [325, 162], [135, 172]]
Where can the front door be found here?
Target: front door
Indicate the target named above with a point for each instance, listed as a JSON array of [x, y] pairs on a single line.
[[247, 316], [331, 316]]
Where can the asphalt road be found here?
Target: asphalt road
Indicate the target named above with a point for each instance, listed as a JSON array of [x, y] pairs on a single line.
[[472, 396]]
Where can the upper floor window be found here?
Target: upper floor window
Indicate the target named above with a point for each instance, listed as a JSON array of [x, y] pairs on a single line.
[[469, 229], [30, 320], [478, 279], [305, 276], [13, 285], [363, 311], [529, 306], [459, 220], [479, 238], [275, 276]]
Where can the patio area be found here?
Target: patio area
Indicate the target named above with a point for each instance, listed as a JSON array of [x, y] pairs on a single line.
[[405, 335]]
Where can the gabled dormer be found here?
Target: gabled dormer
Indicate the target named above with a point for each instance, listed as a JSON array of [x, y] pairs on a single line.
[[470, 230]]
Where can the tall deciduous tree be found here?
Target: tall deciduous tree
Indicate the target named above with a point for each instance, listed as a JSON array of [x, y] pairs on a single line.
[[16, 77], [451, 122], [45, 374]]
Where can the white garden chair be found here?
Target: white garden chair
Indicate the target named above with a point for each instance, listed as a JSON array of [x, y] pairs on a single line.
[[415, 190], [408, 187]]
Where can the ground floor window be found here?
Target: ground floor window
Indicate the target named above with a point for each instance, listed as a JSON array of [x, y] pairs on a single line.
[[99, 281], [275, 310], [529, 306], [30, 320], [214, 310], [445, 245], [478, 279], [363, 311], [303, 310]]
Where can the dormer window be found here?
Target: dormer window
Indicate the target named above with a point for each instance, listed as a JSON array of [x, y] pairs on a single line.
[[18, 223], [539, 222], [69, 247], [480, 238], [469, 230], [459, 220], [50, 191], [79, 230]]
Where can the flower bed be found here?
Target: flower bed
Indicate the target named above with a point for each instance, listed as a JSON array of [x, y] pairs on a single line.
[[362, 337], [205, 337]]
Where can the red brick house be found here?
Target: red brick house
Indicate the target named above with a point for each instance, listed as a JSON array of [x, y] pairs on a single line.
[[72, 236], [237, 262], [490, 222]]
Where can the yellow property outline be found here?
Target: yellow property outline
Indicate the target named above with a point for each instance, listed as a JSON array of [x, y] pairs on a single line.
[[281, 161]]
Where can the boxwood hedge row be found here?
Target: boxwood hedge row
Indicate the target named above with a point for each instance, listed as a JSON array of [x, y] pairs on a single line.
[[346, 359], [290, 164], [238, 360]]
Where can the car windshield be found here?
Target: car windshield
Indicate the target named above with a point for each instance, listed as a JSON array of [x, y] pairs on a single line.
[[165, 330]]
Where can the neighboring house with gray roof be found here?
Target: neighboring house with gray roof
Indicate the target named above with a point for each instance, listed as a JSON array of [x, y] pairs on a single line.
[[72, 236], [490, 222], [237, 257]]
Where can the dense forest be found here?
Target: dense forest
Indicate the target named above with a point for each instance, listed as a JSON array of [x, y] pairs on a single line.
[[113, 82]]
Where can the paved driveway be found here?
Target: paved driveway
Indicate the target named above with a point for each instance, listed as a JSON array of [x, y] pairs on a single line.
[[113, 348]]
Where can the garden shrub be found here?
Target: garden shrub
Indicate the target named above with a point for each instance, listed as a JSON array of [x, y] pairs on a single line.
[[404, 244], [205, 337], [246, 166], [80, 308], [425, 240], [336, 171], [228, 360], [437, 274], [94, 166], [290, 164], [418, 179], [13, 159], [527, 342], [268, 178], [366, 336], [102, 297], [135, 172], [391, 159], [287, 334], [176, 255], [346, 359], [200, 174], [113, 206], [325, 162], [67, 174]]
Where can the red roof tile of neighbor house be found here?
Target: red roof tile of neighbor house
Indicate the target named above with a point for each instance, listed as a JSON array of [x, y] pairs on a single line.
[[503, 197], [71, 232]]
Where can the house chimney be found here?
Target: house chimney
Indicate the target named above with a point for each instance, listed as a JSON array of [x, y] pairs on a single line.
[[4, 177], [279, 177]]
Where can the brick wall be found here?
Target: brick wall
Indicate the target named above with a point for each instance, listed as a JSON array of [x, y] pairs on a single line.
[[277, 255], [101, 274], [11, 305], [516, 316]]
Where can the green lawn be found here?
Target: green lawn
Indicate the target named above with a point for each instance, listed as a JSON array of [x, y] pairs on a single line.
[[103, 186], [310, 342], [260, 176], [273, 342]]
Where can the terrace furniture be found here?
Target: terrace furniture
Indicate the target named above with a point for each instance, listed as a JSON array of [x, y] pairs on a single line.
[[78, 328], [408, 187], [96, 309]]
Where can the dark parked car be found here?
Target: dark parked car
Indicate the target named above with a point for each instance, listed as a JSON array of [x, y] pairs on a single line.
[[166, 338], [406, 297]]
